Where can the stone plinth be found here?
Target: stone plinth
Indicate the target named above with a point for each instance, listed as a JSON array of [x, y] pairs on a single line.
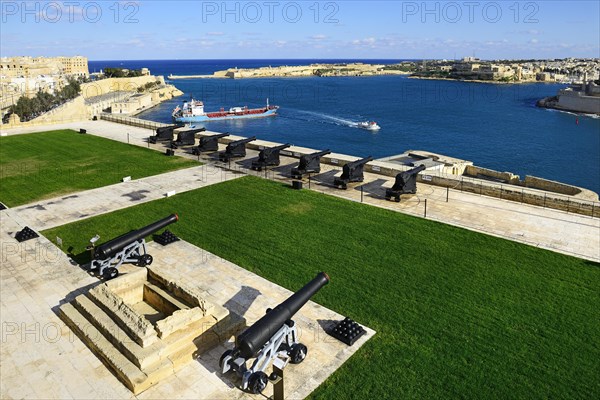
[[145, 326]]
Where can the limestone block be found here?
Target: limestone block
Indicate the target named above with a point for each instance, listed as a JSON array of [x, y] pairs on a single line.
[[134, 324], [124, 369], [178, 320], [133, 277], [194, 296]]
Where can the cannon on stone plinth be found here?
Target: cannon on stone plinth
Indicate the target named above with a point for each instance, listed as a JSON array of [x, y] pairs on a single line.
[[309, 163], [273, 336], [127, 248], [268, 157], [164, 134], [406, 183], [208, 143], [234, 149], [186, 138], [352, 172]]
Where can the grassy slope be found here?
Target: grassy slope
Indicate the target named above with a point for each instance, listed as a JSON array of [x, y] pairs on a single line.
[[458, 314], [49, 164]]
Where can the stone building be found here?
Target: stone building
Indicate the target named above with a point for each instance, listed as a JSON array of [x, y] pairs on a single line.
[[28, 67]]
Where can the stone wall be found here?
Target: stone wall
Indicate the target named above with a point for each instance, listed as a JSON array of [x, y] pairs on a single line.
[[71, 111], [551, 186], [516, 193], [575, 101], [472, 170], [109, 85], [585, 203]]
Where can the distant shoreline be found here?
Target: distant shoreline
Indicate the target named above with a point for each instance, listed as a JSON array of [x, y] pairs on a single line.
[[479, 81]]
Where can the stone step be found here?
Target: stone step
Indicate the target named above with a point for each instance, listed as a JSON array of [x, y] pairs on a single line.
[[136, 379], [139, 329], [142, 357], [126, 371], [167, 297]]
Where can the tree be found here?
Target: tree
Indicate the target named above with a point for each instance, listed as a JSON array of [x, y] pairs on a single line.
[[29, 108]]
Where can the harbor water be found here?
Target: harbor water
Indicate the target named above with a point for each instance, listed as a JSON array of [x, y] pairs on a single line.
[[496, 126]]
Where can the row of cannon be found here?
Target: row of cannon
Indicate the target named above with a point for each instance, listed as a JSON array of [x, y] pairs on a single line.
[[405, 182]]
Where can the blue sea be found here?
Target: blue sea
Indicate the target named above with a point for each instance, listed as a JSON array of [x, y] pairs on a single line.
[[495, 126]]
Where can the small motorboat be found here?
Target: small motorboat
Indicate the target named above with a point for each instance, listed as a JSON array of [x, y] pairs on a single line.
[[369, 125]]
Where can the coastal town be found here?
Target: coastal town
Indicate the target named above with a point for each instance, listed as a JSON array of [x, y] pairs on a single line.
[[32, 90], [570, 70], [129, 92], [252, 200]]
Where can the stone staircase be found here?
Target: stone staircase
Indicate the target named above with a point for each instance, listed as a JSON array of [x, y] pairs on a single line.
[[137, 356]]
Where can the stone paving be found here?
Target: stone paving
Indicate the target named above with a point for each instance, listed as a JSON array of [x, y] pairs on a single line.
[[552, 229], [46, 214], [42, 359], [556, 230]]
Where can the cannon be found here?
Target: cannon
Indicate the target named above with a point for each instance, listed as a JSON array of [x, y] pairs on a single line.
[[236, 148], [186, 138], [309, 163], [208, 143], [406, 182], [352, 172], [127, 248], [272, 336], [268, 157], [164, 134]]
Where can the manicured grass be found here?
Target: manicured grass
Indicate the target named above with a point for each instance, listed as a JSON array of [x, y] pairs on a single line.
[[458, 314], [44, 165]]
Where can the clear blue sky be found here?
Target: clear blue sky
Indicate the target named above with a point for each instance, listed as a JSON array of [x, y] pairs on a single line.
[[121, 30]]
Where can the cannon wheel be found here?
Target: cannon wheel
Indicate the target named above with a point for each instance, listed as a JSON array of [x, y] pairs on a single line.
[[298, 353], [146, 259], [222, 359], [257, 382], [110, 273]]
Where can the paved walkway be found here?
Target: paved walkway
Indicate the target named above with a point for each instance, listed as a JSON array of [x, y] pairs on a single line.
[[49, 213], [43, 359], [563, 232], [556, 230]]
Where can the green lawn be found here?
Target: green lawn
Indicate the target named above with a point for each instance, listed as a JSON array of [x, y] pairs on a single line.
[[44, 165], [458, 314]]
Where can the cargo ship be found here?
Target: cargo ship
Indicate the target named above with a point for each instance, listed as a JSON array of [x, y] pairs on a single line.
[[193, 111]]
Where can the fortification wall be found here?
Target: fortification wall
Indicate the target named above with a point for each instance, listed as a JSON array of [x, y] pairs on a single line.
[[71, 111], [579, 103], [509, 177], [582, 201], [109, 85]]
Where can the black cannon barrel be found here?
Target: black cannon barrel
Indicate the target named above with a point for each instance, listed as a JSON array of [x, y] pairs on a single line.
[[307, 158], [360, 162], [205, 139], [319, 153], [406, 180], [168, 128], [414, 171], [354, 169], [253, 339], [241, 141], [190, 131], [113, 246], [275, 148], [269, 153]]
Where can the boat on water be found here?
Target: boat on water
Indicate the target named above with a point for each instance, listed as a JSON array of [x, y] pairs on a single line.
[[369, 125], [193, 111]]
